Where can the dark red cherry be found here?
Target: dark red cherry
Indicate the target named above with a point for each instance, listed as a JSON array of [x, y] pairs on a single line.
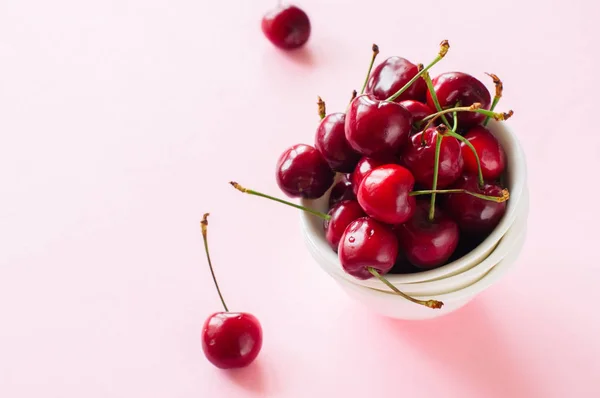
[[377, 129], [330, 140], [287, 27], [302, 172], [367, 243], [452, 87], [341, 215], [391, 75], [418, 110], [342, 190], [384, 194], [419, 157], [231, 339], [474, 215], [490, 152], [363, 167], [428, 244]]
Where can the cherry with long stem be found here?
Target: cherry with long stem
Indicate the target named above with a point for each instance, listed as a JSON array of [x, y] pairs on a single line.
[[204, 226], [436, 101], [321, 108], [444, 46], [428, 303], [375, 49], [499, 88]]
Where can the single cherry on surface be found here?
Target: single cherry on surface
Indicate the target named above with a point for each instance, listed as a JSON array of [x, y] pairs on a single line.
[[472, 214], [303, 172], [287, 27], [391, 75], [428, 243], [342, 190], [330, 140], [229, 339], [491, 154], [384, 194], [342, 214], [417, 109], [364, 166], [458, 87], [419, 157]]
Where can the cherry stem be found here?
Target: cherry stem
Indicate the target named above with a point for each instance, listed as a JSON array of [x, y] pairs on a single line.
[[499, 88], [444, 46], [354, 94], [204, 226], [322, 109], [285, 202], [441, 129], [498, 199], [454, 121], [429, 303], [472, 148], [476, 107], [375, 49], [434, 97]]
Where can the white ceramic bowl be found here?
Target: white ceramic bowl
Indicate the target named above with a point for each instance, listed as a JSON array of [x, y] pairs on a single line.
[[516, 180]]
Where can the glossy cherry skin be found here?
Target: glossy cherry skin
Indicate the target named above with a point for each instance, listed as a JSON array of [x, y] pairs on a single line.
[[419, 157], [490, 152], [367, 243], [302, 172], [287, 27], [428, 244], [341, 214], [384, 194], [231, 339], [377, 129], [391, 75], [474, 215], [418, 110], [364, 166], [342, 190], [331, 141], [452, 87]]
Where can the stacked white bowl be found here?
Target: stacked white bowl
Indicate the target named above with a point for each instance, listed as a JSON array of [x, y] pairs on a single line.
[[455, 283]]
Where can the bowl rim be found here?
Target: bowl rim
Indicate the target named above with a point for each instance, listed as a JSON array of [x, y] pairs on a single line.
[[517, 171]]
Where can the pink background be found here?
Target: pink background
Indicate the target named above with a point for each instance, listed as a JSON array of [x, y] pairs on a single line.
[[121, 122]]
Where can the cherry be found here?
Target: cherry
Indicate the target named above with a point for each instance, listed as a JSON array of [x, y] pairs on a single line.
[[331, 141], [473, 214], [491, 155], [418, 110], [428, 243], [302, 172], [342, 214], [391, 75], [364, 166], [287, 27], [458, 87], [229, 339], [419, 157], [342, 190], [384, 194]]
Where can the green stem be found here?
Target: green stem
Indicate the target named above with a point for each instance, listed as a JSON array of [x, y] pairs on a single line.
[[429, 303], [444, 46], [455, 120], [473, 108], [436, 168], [498, 199], [204, 226], [285, 202], [375, 52], [499, 88], [434, 97], [472, 148]]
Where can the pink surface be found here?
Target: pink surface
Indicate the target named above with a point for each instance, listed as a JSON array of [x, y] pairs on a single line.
[[121, 122]]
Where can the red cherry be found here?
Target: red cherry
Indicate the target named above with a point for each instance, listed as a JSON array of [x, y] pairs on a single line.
[[417, 109], [490, 152], [342, 190], [376, 128], [342, 214], [419, 157], [367, 243], [364, 166], [391, 75], [384, 194], [287, 27], [428, 244], [475, 215], [302, 172], [231, 339], [453, 87], [330, 140]]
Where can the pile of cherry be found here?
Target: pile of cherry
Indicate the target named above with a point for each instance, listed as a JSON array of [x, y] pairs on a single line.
[[416, 171]]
